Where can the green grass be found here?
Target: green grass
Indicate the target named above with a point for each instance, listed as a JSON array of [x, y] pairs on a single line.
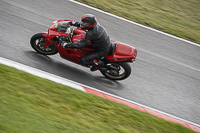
[[29, 104], [177, 17]]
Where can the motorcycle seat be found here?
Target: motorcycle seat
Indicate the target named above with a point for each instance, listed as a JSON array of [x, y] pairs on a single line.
[[112, 48]]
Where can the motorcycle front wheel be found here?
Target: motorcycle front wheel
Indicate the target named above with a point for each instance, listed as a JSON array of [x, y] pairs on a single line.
[[117, 71], [38, 41]]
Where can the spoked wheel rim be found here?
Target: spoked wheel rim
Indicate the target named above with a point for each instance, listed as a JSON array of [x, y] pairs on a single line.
[[40, 42], [117, 73]]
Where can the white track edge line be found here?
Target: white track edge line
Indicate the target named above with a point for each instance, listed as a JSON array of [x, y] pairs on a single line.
[[41, 73], [77, 85], [135, 23]]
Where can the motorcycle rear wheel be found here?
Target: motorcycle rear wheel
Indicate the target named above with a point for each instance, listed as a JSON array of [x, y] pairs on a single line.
[[122, 71], [38, 41]]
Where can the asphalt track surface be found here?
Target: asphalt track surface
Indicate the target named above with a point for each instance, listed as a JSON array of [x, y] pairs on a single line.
[[165, 76]]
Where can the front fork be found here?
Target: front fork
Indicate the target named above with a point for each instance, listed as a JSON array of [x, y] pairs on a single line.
[[47, 42]]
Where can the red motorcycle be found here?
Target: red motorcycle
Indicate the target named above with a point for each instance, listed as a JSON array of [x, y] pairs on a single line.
[[115, 66]]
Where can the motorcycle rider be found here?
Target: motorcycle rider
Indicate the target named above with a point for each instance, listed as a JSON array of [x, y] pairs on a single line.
[[95, 34]]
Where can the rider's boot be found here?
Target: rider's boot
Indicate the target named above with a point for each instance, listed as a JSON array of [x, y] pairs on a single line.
[[93, 68], [97, 65]]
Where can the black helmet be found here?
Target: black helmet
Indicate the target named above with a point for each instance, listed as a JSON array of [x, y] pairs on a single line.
[[88, 21]]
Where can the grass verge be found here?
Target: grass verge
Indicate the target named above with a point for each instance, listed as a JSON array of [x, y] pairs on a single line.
[[178, 17], [29, 104]]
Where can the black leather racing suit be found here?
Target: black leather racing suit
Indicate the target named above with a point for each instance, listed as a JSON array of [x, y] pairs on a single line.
[[100, 41]]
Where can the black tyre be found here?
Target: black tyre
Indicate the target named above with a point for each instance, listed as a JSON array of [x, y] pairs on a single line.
[[122, 71], [37, 42]]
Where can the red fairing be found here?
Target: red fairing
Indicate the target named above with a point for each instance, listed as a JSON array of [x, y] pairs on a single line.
[[123, 52], [52, 32], [79, 34], [60, 20], [48, 42]]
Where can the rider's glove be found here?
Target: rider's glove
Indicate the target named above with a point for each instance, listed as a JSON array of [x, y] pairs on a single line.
[[67, 45]]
